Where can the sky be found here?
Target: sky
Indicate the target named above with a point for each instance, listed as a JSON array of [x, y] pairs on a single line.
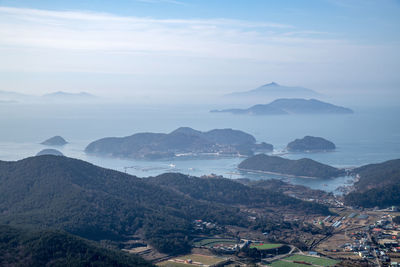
[[199, 48]]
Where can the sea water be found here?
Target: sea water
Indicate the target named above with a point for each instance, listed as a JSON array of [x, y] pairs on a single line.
[[370, 135]]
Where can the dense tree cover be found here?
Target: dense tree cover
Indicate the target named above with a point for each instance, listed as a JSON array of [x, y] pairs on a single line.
[[310, 143], [379, 185], [97, 203], [227, 191], [23, 247], [376, 197], [378, 175], [281, 186], [301, 167]]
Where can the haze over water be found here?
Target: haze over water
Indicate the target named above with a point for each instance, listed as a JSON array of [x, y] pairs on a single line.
[[370, 135]]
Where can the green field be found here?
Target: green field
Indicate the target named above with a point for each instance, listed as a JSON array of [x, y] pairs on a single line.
[[285, 264], [207, 260], [314, 260], [265, 246], [212, 241]]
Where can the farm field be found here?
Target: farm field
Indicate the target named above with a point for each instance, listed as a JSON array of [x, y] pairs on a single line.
[[313, 260], [191, 260]]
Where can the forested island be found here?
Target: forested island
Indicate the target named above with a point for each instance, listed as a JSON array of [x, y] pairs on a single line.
[[55, 141], [182, 142], [310, 144], [302, 168]]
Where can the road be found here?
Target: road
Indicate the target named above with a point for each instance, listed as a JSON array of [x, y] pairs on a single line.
[[374, 251]]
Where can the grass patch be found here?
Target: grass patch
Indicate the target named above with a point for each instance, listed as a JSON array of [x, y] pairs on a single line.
[[286, 264], [313, 260], [265, 246]]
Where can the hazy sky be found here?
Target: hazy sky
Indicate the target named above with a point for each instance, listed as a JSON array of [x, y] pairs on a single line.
[[199, 47]]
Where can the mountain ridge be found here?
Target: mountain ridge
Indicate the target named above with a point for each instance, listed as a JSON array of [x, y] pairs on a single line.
[[286, 106]]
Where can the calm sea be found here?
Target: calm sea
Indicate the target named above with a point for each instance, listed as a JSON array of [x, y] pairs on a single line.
[[370, 135]]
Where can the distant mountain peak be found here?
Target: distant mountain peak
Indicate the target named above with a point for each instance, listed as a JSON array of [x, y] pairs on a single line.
[[271, 91], [271, 84], [62, 93]]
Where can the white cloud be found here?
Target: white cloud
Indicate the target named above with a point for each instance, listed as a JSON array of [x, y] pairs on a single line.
[[97, 31], [33, 40]]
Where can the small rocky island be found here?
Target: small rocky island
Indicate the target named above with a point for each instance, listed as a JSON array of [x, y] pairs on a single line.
[[55, 141], [310, 144], [306, 168], [49, 151], [286, 106], [182, 142]]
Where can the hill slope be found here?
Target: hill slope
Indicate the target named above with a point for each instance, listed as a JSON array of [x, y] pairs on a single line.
[[22, 247], [379, 185], [97, 203], [302, 167]]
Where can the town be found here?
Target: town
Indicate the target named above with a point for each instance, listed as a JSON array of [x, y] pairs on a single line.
[[351, 237]]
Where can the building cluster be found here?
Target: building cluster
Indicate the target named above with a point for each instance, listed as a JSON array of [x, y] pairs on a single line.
[[361, 244], [379, 241], [203, 225], [386, 235]]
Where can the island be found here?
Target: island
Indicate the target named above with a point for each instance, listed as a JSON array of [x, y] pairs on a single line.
[[182, 142], [306, 168], [285, 106], [55, 141], [310, 144], [49, 151], [68, 97]]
